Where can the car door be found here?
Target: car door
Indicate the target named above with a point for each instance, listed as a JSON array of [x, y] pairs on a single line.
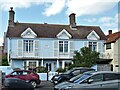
[[110, 80], [93, 81]]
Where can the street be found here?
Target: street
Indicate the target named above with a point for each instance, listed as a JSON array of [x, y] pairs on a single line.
[[45, 85]]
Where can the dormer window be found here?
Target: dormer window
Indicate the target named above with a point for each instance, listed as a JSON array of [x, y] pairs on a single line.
[[28, 33], [93, 36], [63, 35]]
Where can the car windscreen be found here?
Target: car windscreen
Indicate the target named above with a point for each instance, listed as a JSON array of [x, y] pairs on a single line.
[[68, 72], [82, 77], [75, 78]]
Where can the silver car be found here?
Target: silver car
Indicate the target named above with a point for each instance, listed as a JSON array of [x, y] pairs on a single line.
[[91, 81]]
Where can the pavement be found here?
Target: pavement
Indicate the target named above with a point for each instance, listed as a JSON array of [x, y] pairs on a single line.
[[45, 85]]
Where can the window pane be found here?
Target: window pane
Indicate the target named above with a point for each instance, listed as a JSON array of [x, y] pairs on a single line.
[[65, 46], [60, 46]]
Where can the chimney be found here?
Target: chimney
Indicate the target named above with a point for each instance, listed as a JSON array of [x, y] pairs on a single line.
[[109, 32], [11, 17], [72, 20]]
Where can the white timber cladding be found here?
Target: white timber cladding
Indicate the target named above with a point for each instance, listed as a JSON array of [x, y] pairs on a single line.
[[20, 48], [71, 48], [99, 47], [56, 48], [36, 50]]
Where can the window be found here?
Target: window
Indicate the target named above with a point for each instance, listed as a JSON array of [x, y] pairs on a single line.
[[63, 46], [28, 46], [93, 46], [110, 76], [108, 46], [97, 78]]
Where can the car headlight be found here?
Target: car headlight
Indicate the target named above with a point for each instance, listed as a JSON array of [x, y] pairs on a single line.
[[68, 87]]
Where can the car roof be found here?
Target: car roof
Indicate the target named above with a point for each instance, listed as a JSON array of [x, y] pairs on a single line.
[[24, 70], [98, 72]]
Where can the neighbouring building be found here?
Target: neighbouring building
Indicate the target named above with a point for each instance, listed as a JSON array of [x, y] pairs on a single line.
[[112, 49], [31, 45], [1, 54]]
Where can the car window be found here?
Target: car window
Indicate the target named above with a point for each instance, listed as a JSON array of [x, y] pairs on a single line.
[[111, 76], [25, 73], [76, 72], [97, 78], [82, 77]]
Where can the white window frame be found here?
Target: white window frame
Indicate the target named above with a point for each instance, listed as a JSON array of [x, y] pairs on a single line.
[[63, 47]]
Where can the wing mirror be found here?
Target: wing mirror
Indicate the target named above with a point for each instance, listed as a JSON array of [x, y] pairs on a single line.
[[90, 81]]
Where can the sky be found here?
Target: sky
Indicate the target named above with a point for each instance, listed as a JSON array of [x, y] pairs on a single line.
[[88, 13]]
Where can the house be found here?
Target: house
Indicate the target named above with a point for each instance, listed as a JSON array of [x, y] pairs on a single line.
[[31, 45], [112, 49], [1, 54]]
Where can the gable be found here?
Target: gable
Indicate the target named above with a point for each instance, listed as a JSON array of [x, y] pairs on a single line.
[[93, 36], [28, 33], [64, 35]]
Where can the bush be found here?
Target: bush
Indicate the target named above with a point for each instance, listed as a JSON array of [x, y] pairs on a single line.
[[60, 70], [42, 69], [16, 69]]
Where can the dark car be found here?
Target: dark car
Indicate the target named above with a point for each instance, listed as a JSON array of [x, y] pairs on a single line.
[[94, 80], [16, 84], [69, 74], [27, 75]]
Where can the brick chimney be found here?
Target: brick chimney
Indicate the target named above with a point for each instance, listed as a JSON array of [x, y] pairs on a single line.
[[109, 32], [11, 17], [72, 20]]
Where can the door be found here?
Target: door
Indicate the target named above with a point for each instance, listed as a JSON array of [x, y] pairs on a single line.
[[94, 81]]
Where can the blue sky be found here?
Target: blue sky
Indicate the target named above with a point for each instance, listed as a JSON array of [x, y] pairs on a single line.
[[88, 13]]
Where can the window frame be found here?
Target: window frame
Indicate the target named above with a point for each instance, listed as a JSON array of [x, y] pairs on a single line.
[[92, 45], [108, 46], [63, 46]]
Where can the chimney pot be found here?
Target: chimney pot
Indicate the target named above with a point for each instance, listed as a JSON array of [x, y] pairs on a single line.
[[109, 32]]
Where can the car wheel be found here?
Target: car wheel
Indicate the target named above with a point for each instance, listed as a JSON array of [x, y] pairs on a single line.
[[34, 84]]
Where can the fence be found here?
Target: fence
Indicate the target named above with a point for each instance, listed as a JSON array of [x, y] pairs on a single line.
[[47, 76]]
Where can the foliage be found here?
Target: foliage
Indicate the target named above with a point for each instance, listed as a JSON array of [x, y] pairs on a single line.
[[85, 57], [42, 69], [60, 70], [4, 60], [16, 69]]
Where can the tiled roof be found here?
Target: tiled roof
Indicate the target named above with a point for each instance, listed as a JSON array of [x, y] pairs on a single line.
[[51, 30], [113, 37]]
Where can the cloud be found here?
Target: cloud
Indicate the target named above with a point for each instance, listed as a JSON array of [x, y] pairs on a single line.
[[90, 20], [80, 7], [109, 21], [55, 8], [87, 7], [5, 4]]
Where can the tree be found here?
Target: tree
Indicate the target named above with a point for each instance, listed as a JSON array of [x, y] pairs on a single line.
[[85, 57], [4, 61]]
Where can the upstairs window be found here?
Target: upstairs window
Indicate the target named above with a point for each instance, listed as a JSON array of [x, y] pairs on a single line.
[[28, 46], [108, 46], [63, 46], [93, 46]]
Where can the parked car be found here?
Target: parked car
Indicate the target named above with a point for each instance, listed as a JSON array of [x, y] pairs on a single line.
[[27, 75], [69, 74], [16, 84], [92, 80]]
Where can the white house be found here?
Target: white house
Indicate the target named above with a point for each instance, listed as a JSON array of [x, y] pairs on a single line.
[[30, 45], [112, 49]]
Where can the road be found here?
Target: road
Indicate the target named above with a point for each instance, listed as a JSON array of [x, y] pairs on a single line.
[[45, 85]]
